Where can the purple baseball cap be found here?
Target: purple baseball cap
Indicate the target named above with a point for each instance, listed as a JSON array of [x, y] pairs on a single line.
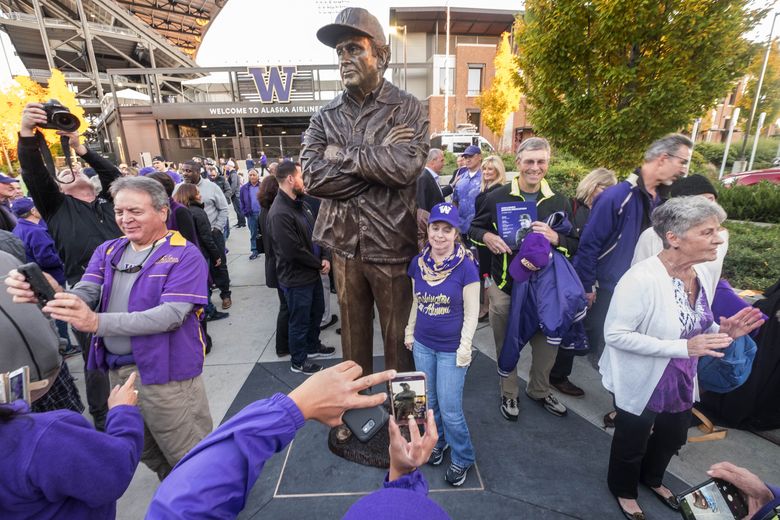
[[146, 170], [5, 179], [534, 255], [22, 205], [444, 212], [471, 150]]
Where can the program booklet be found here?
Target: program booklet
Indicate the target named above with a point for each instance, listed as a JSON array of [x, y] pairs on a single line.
[[514, 221]]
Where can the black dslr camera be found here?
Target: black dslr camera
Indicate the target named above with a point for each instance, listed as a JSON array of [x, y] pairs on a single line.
[[58, 117]]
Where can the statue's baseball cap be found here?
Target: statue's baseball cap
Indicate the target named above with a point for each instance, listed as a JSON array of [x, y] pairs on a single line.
[[352, 21]]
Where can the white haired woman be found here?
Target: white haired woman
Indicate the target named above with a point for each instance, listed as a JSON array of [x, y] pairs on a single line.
[[653, 344]]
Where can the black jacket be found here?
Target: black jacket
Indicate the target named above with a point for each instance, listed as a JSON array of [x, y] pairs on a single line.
[[203, 229], [77, 227], [271, 280], [291, 223], [429, 193], [580, 214], [485, 222]]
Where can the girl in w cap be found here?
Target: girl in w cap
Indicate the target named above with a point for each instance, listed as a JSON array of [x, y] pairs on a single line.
[[442, 321]]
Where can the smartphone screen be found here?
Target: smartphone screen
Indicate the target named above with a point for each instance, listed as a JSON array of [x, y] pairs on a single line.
[[713, 500], [407, 397], [19, 384]]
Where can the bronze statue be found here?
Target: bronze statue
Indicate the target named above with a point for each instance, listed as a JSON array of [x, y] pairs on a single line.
[[362, 155]]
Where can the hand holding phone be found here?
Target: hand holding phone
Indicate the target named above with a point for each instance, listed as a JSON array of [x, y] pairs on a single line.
[[714, 499], [39, 285]]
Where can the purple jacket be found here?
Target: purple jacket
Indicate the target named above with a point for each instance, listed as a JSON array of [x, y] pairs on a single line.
[[245, 199], [771, 507], [175, 272], [55, 465], [39, 247], [213, 479]]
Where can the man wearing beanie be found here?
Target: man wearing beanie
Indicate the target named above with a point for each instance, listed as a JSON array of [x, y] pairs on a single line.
[[362, 154]]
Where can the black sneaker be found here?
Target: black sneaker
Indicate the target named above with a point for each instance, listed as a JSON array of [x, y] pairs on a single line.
[[509, 408], [437, 455], [306, 368], [216, 315], [456, 474], [322, 353]]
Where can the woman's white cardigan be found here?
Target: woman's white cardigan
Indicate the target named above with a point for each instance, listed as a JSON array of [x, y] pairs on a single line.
[[642, 332]]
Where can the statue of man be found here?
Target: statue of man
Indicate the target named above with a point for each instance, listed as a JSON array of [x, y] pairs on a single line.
[[362, 155]]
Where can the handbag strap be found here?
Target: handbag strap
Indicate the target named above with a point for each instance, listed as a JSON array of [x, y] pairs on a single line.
[[711, 432]]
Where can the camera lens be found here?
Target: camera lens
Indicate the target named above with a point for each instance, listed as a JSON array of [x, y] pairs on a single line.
[[65, 121]]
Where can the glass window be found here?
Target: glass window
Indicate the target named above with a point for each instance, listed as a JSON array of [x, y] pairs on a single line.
[[475, 80]]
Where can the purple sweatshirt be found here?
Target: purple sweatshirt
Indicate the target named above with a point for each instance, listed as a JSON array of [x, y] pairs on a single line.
[[213, 479], [56, 465], [771, 507]]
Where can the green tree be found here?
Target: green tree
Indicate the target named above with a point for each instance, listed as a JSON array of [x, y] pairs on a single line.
[[607, 77], [770, 89], [502, 99]]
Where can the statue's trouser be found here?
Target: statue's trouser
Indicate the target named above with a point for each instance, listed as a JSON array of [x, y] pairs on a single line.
[[359, 286]]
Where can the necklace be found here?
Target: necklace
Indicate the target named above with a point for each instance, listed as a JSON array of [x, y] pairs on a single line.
[[672, 269]]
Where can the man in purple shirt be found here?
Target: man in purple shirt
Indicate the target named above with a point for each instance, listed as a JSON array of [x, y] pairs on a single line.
[[150, 289], [250, 207]]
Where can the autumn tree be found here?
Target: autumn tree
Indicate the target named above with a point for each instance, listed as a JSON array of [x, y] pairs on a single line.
[[607, 77], [23, 90], [502, 99], [770, 89]]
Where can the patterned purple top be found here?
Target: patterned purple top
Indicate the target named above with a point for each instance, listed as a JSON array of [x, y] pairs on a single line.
[[674, 391]]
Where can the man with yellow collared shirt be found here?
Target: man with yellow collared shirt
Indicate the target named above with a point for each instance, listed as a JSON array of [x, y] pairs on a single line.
[[533, 159]]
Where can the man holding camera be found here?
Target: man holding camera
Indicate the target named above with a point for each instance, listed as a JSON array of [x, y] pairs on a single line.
[[79, 219]]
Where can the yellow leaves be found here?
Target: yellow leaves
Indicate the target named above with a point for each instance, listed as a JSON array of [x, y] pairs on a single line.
[[503, 96], [23, 90]]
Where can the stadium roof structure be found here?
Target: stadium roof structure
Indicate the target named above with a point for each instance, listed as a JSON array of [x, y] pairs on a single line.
[[85, 38]]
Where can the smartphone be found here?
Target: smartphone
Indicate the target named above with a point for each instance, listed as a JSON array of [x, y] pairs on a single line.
[[408, 397], [714, 499], [366, 422], [19, 385], [38, 283]]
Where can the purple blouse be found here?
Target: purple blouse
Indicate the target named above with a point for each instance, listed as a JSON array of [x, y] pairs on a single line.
[[674, 391]]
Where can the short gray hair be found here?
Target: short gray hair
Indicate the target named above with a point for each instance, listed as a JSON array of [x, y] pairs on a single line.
[[532, 144], [680, 214], [668, 144], [433, 153], [151, 187]]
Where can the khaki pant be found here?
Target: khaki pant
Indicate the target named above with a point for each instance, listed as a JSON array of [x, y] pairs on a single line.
[[176, 418], [360, 285], [542, 354]]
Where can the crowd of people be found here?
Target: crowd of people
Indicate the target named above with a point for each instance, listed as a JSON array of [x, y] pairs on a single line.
[[133, 256]]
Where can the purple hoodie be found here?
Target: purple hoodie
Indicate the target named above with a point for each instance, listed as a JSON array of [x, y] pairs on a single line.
[[56, 465]]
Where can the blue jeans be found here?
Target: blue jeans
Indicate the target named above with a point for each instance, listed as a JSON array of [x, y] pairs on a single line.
[[445, 382], [305, 306], [251, 221]]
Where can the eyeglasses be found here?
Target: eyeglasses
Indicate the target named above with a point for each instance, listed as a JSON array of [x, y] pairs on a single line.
[[132, 269], [683, 160]]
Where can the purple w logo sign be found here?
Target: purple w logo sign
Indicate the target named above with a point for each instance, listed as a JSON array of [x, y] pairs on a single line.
[[270, 85]]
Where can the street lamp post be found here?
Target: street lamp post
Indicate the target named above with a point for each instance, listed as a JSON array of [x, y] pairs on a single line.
[[758, 90]]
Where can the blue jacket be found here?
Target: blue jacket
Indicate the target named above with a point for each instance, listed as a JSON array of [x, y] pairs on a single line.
[[618, 217], [552, 301], [214, 478], [39, 247], [245, 199]]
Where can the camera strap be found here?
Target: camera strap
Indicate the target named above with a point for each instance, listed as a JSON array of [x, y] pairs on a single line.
[[48, 160]]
